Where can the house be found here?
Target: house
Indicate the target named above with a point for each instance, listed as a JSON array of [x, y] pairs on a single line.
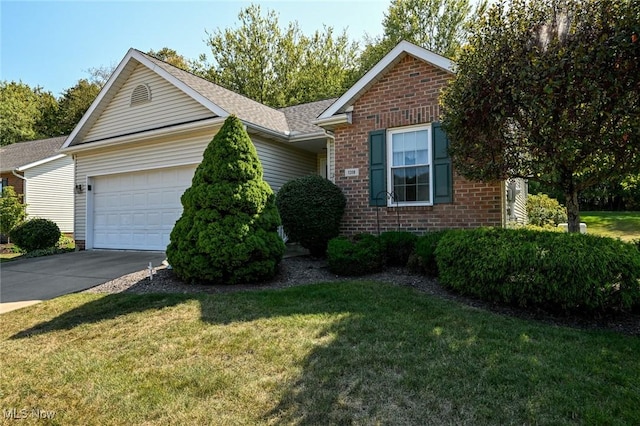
[[139, 143], [44, 176], [137, 147], [388, 153]]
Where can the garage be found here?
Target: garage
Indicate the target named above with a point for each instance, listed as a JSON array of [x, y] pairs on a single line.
[[137, 211]]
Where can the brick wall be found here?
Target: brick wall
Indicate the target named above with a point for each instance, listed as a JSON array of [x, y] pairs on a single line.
[[406, 95], [16, 182]]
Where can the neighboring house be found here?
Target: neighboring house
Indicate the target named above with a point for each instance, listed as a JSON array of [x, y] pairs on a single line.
[[138, 145], [389, 153], [44, 176]]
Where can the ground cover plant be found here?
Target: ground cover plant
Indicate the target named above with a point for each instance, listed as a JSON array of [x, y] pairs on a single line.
[[347, 352], [623, 225]]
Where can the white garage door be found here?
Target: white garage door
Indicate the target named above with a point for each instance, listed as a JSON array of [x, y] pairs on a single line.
[[137, 211]]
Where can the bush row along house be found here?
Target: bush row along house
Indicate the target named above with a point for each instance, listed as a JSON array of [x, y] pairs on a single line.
[[135, 151]]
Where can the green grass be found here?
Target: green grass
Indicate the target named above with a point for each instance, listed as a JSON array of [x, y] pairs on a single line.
[[623, 225], [340, 353]]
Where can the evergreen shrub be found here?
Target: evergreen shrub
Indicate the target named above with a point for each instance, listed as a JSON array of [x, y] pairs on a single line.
[[398, 246], [554, 271], [311, 208], [36, 234], [359, 255], [423, 259], [228, 231]]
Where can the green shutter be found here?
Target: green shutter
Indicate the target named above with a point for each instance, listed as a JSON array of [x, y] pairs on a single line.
[[442, 173], [377, 168]]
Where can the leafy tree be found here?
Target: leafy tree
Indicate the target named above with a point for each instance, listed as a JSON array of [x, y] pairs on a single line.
[[278, 66], [12, 211], [438, 25], [228, 231], [75, 101], [170, 56], [21, 110], [549, 90], [100, 75]]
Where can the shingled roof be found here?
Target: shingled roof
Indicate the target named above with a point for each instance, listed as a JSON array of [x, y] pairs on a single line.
[[23, 153], [244, 108], [299, 117]]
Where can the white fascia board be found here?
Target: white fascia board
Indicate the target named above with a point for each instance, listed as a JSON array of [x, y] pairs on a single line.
[[331, 120], [103, 93], [37, 163], [133, 54], [403, 47], [143, 136]]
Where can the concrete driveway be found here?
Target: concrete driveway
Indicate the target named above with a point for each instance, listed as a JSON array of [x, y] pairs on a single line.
[[27, 281]]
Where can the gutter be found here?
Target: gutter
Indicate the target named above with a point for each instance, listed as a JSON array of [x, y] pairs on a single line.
[[13, 172]]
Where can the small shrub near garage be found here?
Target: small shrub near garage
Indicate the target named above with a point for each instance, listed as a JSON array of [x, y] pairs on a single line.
[[359, 255], [311, 208], [545, 211], [398, 246], [423, 259], [36, 234], [553, 271]]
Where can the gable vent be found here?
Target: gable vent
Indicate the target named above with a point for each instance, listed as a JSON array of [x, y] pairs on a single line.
[[140, 95]]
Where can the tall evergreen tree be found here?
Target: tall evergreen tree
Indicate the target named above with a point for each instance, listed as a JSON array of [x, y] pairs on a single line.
[[227, 233]]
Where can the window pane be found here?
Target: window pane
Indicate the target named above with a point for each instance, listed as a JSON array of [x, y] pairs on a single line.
[[421, 156], [397, 143], [411, 193], [410, 158], [399, 192], [423, 175], [399, 177], [410, 173], [423, 193], [410, 141]]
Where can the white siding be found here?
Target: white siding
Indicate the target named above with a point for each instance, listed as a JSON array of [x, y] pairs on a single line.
[[168, 105], [281, 163], [49, 192], [517, 208]]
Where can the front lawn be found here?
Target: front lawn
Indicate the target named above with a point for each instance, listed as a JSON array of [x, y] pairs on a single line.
[[623, 225], [340, 353]]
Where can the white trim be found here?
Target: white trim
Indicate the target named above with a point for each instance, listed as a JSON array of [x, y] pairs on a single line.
[[133, 54], [404, 47], [413, 128], [331, 121], [147, 135], [37, 163]]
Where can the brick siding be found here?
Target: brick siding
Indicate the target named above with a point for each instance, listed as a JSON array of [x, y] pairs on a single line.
[[406, 95]]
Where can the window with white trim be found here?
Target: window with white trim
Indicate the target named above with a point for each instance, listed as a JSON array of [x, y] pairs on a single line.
[[409, 165]]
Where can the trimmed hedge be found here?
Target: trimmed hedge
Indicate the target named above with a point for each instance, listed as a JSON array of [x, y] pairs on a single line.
[[423, 258], [545, 211], [36, 234], [556, 271], [360, 255], [398, 246]]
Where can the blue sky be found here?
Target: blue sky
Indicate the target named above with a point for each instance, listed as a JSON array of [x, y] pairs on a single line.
[[52, 44]]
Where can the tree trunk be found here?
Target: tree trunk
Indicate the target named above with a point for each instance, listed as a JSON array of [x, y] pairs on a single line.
[[573, 211]]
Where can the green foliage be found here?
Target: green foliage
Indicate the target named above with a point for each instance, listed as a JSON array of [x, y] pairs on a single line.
[[73, 103], [36, 234], [438, 25], [278, 66], [544, 211], [228, 229], [22, 111], [12, 211], [398, 246], [311, 208], [548, 270], [170, 56], [363, 254], [549, 89], [423, 259]]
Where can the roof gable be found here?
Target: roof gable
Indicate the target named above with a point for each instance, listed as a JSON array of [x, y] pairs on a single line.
[[342, 104], [21, 154], [220, 101]]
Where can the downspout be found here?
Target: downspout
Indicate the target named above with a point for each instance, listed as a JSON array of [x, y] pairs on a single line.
[[13, 172]]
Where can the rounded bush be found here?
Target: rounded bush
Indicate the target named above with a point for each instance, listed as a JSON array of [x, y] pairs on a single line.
[[545, 211], [311, 208], [557, 271], [398, 246], [36, 234], [360, 255]]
